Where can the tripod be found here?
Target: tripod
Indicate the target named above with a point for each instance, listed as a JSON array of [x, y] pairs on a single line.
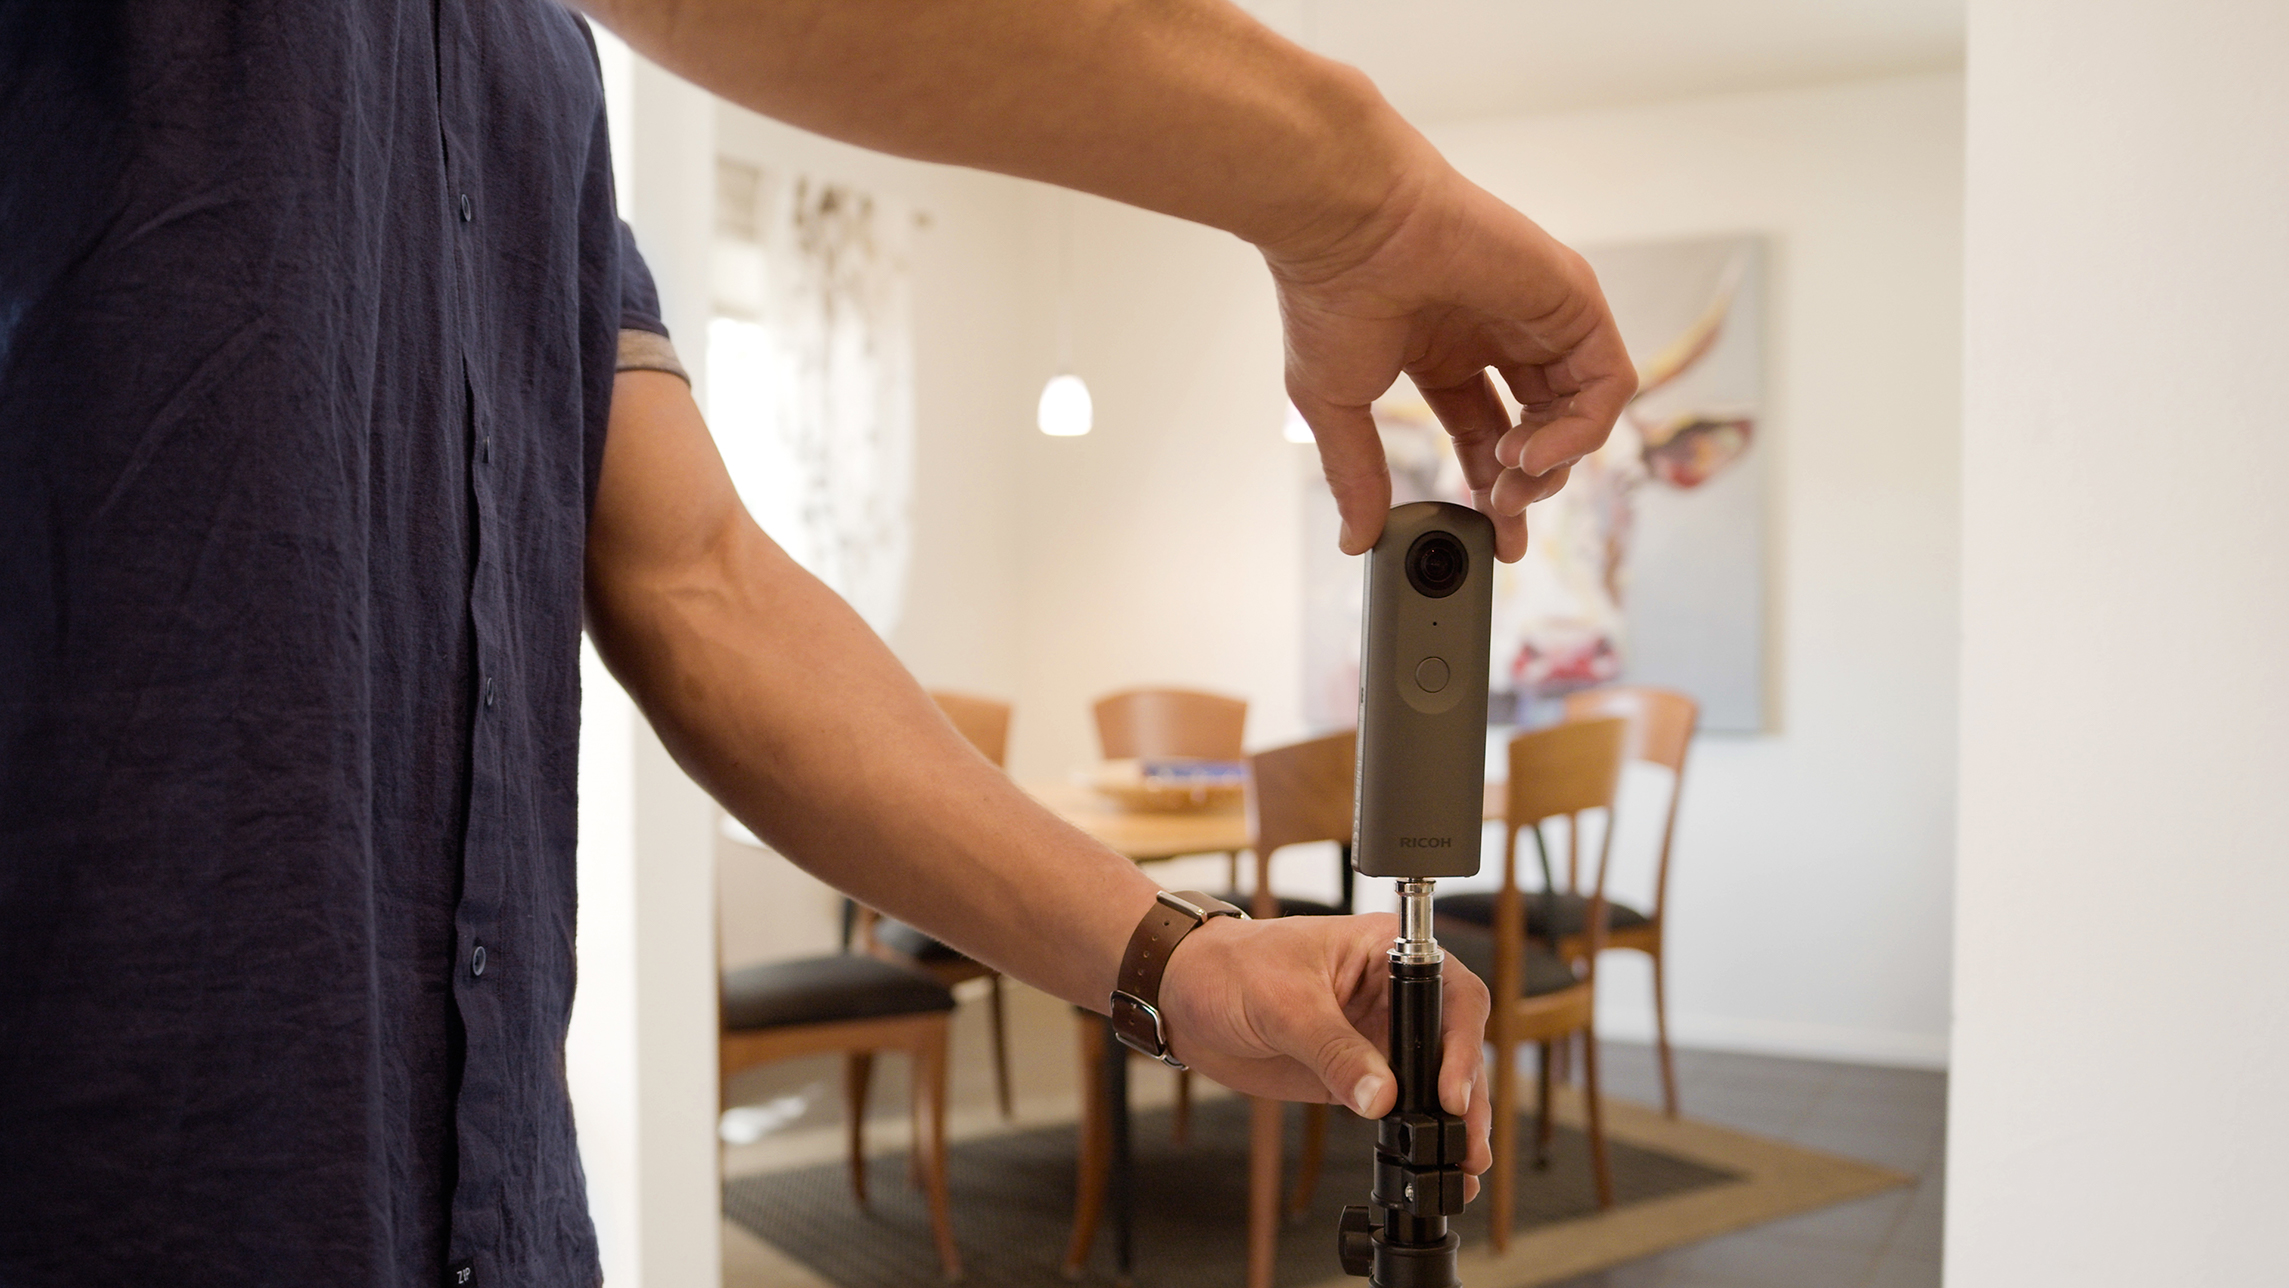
[[1401, 1239]]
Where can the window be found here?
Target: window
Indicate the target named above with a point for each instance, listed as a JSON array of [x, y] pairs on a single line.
[[810, 375]]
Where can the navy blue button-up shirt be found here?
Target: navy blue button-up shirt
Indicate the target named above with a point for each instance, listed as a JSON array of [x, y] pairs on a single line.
[[308, 312]]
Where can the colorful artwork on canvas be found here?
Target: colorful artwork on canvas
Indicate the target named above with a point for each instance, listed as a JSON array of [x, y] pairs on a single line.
[[1649, 567]]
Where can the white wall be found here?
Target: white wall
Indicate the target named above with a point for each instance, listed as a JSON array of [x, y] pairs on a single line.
[[1164, 546], [640, 1055], [1812, 895], [2122, 978]]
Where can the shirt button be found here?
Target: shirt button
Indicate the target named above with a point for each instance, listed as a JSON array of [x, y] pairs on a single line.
[[477, 960], [467, 212], [488, 692]]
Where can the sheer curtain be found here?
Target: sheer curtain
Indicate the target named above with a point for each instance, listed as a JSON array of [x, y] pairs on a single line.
[[811, 375]]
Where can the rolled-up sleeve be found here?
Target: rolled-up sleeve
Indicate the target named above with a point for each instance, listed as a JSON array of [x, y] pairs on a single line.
[[644, 342]]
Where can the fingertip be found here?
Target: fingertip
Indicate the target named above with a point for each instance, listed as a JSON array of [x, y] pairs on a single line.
[[1510, 537], [1454, 1098], [1359, 532], [1509, 447], [1369, 1093]]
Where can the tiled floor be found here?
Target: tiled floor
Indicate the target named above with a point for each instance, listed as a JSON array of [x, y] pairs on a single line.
[[1895, 1117]]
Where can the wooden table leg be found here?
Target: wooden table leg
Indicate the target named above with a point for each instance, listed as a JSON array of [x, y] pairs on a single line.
[[1264, 1123], [1095, 1144], [1124, 1179]]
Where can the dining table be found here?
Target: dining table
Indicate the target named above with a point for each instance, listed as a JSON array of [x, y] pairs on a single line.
[[1148, 836]]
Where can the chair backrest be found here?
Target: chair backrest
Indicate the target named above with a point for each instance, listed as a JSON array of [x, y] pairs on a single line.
[[1302, 792], [984, 721], [1564, 769], [1170, 722], [1661, 721], [1661, 724]]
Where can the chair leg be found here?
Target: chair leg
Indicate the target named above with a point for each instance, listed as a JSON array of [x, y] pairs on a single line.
[[1546, 1054], [1180, 1122], [1502, 1178], [930, 1146], [1000, 1048], [915, 1177], [1094, 1173], [1232, 871], [1661, 1040], [1600, 1168], [857, 1074], [1263, 1189], [1314, 1155]]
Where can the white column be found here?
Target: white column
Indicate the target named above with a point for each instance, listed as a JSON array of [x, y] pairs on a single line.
[[641, 1056], [2122, 967]]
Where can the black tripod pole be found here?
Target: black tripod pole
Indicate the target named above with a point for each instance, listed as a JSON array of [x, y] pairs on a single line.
[[1401, 1239]]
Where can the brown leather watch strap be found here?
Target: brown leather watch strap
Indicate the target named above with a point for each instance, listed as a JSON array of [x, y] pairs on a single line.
[[1136, 1003]]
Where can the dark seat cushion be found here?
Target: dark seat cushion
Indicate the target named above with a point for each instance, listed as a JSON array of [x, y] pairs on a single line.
[[822, 990], [1572, 912], [1473, 946], [906, 941], [1288, 907]]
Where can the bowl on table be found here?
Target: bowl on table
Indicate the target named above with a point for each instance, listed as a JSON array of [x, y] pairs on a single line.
[[1171, 784]]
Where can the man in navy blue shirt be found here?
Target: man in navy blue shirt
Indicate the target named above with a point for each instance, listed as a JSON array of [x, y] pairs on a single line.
[[315, 457]]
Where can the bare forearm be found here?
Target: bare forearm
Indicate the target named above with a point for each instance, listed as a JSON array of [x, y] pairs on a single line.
[[1189, 107], [773, 694]]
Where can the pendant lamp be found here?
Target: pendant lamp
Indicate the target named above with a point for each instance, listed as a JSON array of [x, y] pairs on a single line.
[[1065, 410]]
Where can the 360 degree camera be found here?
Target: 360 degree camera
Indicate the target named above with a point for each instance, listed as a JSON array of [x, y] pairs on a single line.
[[1422, 693]]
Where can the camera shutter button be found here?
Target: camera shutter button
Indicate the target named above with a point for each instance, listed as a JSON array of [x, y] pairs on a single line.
[[1431, 674]]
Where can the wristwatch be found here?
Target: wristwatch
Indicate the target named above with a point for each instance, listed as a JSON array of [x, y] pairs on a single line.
[[1136, 1003]]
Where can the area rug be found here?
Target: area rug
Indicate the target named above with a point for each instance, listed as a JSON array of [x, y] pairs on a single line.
[[1012, 1197]]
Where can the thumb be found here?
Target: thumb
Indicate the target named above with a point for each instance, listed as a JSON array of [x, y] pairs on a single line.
[[1355, 1074]]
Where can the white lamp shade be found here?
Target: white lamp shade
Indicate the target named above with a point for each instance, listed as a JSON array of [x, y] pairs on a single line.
[[1065, 411]]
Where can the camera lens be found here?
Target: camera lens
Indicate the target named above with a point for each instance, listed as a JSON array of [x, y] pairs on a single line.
[[1437, 564]]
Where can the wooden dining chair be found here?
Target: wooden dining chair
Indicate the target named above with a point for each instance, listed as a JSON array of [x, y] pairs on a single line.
[[1661, 724], [1538, 995], [985, 722], [1297, 794], [858, 1007]]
